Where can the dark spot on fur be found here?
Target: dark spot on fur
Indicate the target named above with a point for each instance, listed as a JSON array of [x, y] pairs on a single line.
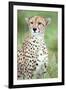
[[23, 57], [34, 68], [34, 61], [45, 65], [32, 56], [44, 47], [17, 55], [18, 76], [35, 45], [37, 64], [45, 52], [40, 53], [34, 41], [33, 48], [30, 65], [30, 60], [21, 54]]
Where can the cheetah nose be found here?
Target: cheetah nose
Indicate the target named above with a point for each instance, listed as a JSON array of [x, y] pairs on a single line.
[[34, 29]]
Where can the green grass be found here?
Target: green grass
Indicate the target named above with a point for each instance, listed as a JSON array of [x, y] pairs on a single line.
[[50, 37]]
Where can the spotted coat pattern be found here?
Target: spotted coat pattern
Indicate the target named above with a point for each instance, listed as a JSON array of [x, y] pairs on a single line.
[[32, 59]]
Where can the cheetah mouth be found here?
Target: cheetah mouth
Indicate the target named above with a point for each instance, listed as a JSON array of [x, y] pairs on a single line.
[[36, 33]]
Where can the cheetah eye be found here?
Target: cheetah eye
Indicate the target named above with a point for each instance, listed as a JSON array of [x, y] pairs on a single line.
[[39, 23], [31, 22]]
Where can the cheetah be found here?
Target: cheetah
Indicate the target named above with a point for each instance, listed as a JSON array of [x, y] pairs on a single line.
[[32, 57]]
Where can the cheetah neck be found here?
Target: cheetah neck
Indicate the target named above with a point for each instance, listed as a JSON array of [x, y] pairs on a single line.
[[39, 37]]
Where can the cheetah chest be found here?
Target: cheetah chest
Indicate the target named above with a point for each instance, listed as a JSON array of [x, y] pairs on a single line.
[[42, 57], [33, 59], [40, 52]]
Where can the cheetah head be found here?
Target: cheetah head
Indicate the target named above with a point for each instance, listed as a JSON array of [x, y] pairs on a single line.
[[37, 24]]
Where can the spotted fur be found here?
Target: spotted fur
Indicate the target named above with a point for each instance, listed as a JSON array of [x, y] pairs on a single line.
[[32, 57]]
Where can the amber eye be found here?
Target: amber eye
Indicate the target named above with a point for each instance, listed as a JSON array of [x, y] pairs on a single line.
[[39, 23], [31, 22]]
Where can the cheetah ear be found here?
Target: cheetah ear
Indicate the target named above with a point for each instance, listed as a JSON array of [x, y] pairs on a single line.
[[26, 19], [48, 21]]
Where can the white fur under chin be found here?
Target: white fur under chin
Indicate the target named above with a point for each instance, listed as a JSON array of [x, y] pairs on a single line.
[[38, 35]]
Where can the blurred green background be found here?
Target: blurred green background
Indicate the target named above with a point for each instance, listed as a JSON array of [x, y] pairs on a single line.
[[51, 34]]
